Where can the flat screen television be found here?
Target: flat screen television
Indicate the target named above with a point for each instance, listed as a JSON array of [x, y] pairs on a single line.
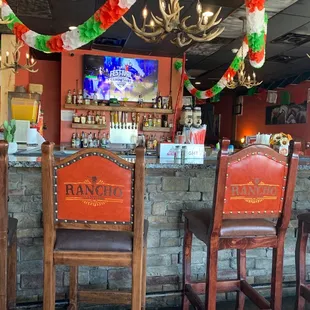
[[121, 78]]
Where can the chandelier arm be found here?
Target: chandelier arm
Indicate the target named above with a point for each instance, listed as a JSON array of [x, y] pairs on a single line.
[[157, 20], [207, 37], [169, 16]]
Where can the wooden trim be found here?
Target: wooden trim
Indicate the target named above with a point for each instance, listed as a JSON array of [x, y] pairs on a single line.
[[120, 108], [89, 126], [156, 129], [221, 286], [88, 258], [73, 288], [305, 292], [12, 273], [106, 227], [98, 151], [3, 223], [254, 296], [248, 243], [193, 297], [106, 298]]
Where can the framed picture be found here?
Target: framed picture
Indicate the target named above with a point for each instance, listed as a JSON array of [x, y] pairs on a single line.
[[165, 100], [250, 140], [238, 106], [287, 114]]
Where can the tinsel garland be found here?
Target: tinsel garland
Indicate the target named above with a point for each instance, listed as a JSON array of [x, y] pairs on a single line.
[[96, 25]]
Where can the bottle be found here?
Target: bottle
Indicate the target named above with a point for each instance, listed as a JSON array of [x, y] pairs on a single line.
[[170, 101], [95, 99], [108, 140], [154, 104], [177, 153], [80, 97], [97, 119], [145, 121], [155, 143], [90, 140], [150, 121], [74, 97], [77, 141], [89, 117], [140, 100], [69, 97], [83, 119], [73, 140], [85, 142], [95, 144], [159, 100], [104, 141], [82, 139]]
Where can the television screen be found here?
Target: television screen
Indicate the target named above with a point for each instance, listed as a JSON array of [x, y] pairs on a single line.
[[121, 78]]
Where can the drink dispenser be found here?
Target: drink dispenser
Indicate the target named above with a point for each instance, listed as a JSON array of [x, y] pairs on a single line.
[[197, 122], [187, 117]]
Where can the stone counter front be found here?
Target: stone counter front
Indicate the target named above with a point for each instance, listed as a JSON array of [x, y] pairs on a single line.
[[168, 193]]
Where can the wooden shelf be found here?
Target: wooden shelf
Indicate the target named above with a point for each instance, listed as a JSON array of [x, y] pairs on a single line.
[[157, 129], [88, 126], [120, 108]]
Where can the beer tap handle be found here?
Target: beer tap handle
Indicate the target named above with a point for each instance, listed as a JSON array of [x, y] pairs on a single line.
[[119, 119], [111, 119], [126, 120], [138, 120], [115, 119]]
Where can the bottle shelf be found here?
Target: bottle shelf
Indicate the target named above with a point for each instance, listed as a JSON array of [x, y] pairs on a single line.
[[156, 129], [88, 126], [120, 108]]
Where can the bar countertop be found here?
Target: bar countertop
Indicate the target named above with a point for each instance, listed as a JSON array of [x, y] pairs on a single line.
[[150, 162]]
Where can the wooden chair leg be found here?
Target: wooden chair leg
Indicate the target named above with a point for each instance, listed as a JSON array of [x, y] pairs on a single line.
[[277, 275], [3, 269], [143, 294], [49, 283], [73, 290], [12, 263], [300, 261], [211, 281], [187, 258], [137, 266], [241, 272]]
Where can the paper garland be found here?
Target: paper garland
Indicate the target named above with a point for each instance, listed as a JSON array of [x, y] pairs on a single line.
[[104, 17], [254, 45]]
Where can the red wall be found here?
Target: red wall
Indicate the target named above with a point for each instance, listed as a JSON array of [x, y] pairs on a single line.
[[254, 112], [72, 71], [49, 76]]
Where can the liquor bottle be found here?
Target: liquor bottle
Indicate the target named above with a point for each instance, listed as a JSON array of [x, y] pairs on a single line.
[[95, 141], [155, 143], [104, 141], [85, 142], [108, 139], [140, 100], [90, 140], [95, 99], [77, 141], [82, 139], [97, 118], [89, 118], [170, 101], [73, 140], [74, 97], [80, 97], [159, 100], [69, 97], [150, 121], [145, 121]]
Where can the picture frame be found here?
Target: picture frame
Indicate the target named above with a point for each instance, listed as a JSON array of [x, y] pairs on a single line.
[[238, 106], [187, 101]]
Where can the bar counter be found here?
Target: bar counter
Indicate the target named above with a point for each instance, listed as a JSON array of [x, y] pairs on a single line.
[[170, 189]]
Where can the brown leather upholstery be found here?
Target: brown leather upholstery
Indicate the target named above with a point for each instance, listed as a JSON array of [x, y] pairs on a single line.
[[305, 217], [199, 222], [12, 229], [94, 240]]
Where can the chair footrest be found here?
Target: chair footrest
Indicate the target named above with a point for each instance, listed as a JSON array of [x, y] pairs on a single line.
[[253, 295], [105, 297], [193, 297]]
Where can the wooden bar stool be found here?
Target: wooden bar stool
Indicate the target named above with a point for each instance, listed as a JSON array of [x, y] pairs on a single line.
[[93, 213], [8, 243], [253, 187], [302, 289]]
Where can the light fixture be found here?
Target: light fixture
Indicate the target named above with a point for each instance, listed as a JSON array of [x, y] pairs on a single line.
[[197, 83], [15, 66], [72, 28], [170, 23], [243, 79], [234, 50]]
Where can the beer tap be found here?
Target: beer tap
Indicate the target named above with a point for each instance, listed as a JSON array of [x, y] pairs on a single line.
[[126, 120], [115, 119], [123, 121], [119, 119], [111, 119], [133, 119], [138, 120]]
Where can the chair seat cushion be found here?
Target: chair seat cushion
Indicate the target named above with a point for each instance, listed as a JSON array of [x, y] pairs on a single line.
[[199, 223], [95, 240], [305, 217], [12, 230]]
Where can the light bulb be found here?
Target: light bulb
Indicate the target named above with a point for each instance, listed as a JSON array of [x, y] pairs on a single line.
[[228, 76], [242, 140], [72, 28], [27, 56], [145, 13], [207, 14], [7, 54], [249, 78], [32, 60], [254, 75], [163, 4], [152, 23]]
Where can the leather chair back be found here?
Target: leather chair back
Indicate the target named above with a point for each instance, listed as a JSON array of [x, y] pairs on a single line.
[[256, 182], [93, 188]]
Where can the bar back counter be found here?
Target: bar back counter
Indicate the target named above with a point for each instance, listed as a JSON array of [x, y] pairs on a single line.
[[171, 189]]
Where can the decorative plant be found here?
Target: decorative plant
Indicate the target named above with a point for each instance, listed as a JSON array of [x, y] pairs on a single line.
[[9, 130], [280, 139]]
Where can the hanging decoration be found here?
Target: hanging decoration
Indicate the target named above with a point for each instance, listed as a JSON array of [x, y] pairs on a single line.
[[104, 17], [251, 45]]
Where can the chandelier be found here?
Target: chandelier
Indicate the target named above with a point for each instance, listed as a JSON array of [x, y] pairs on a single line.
[[158, 28], [243, 79], [15, 66]]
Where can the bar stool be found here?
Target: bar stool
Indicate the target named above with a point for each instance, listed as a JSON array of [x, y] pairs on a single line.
[[93, 213], [302, 289], [253, 186], [8, 247]]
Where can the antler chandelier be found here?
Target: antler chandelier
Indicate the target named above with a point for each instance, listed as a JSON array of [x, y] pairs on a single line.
[[159, 27], [243, 79], [15, 66]]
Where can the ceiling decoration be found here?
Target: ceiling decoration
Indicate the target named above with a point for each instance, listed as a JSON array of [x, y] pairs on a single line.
[[96, 25], [252, 45], [160, 27]]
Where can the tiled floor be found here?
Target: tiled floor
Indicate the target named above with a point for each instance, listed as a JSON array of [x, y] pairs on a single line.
[[288, 304]]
